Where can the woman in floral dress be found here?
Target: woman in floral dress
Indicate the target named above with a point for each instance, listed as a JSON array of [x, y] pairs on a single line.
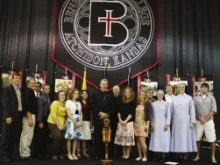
[[74, 124], [141, 124]]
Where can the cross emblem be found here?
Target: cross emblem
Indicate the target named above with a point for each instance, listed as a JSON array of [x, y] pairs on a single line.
[[108, 20]]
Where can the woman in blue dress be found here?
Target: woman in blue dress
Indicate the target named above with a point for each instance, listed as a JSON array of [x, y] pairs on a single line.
[[74, 124], [160, 127]]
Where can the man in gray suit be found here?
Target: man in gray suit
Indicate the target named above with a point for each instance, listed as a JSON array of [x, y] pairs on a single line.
[[41, 127]]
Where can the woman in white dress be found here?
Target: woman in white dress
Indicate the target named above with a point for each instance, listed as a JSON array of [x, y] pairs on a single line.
[[74, 124]]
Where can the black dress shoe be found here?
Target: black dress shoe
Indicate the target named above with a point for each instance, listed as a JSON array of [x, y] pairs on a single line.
[[40, 157], [162, 159], [6, 159], [181, 160], [11, 157], [45, 156]]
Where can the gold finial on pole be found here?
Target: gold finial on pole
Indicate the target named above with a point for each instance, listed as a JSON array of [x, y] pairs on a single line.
[[36, 68], [106, 62], [65, 71], [202, 73], [148, 76], [12, 66], [177, 72]]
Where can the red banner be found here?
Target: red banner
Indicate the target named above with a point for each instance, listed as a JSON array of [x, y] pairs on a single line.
[[21, 71], [73, 80], [44, 77]]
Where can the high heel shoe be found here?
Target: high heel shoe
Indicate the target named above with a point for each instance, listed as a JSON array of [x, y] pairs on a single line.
[[54, 157], [127, 157], [196, 159], [62, 157], [74, 157], [123, 157], [69, 156], [144, 159], [138, 158], [79, 156], [86, 155], [213, 160]]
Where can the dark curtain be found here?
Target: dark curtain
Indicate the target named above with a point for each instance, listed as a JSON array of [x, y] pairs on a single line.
[[189, 39]]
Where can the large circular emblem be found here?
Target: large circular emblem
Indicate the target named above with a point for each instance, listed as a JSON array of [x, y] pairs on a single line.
[[96, 32]]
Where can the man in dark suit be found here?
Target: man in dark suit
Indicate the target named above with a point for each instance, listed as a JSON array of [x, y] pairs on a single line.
[[41, 127], [114, 119], [102, 106], [37, 90], [12, 118]]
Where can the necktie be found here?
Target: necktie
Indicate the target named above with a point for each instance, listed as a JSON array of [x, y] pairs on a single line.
[[37, 94], [18, 93]]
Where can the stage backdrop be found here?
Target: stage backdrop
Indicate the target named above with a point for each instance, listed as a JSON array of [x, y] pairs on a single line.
[[104, 33], [189, 39]]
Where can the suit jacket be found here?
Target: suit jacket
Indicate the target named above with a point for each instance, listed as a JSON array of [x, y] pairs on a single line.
[[43, 108], [10, 103], [116, 103], [102, 101]]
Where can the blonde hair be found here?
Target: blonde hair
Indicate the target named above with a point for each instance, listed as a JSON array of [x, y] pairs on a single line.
[[169, 86], [145, 97], [150, 90], [124, 99]]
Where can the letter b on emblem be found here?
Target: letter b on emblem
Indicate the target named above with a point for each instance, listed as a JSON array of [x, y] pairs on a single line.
[[105, 24]]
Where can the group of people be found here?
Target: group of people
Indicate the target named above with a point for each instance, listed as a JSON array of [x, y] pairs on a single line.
[[29, 116], [170, 123]]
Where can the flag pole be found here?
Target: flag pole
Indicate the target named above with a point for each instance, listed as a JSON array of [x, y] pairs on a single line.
[[129, 76], [84, 85]]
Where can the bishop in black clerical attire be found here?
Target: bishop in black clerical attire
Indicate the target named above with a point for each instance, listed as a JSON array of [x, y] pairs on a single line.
[[102, 106]]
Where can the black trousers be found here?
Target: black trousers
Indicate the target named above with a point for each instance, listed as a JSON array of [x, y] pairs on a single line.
[[99, 146], [41, 139], [11, 134]]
